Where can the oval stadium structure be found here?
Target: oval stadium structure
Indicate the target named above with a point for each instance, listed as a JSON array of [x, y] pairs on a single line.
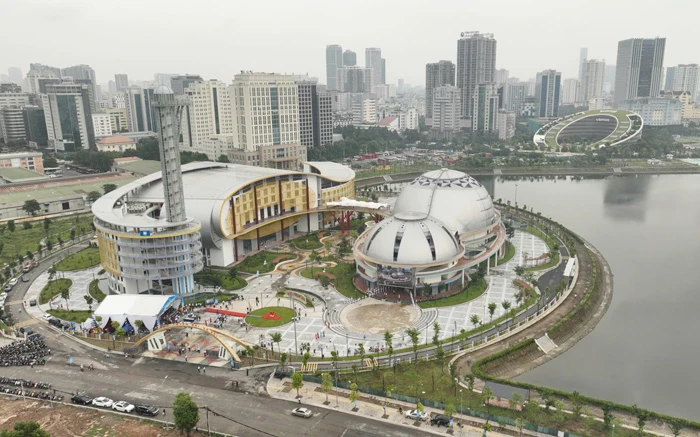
[[597, 128]]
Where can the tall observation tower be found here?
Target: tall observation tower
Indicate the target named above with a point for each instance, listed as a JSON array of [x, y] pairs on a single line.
[[168, 110]]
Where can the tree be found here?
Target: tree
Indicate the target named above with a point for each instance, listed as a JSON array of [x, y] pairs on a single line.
[[139, 325], [520, 423], [326, 384], [65, 294], [361, 352], [515, 400], [519, 270], [222, 158], [108, 187], [486, 427], [47, 224], [31, 207], [676, 427], [233, 273], [25, 429], [487, 394], [283, 359], [297, 381], [576, 403], [474, 319], [11, 225], [420, 408], [506, 306], [642, 416], [492, 309], [305, 358], [388, 337], [354, 394], [453, 373], [450, 410], [93, 196], [608, 416], [89, 300], [185, 413], [72, 234], [413, 334], [276, 338]]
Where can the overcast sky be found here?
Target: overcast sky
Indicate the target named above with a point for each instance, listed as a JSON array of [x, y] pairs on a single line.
[[217, 39]]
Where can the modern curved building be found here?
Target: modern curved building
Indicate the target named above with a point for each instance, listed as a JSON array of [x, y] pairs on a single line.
[[235, 210], [597, 128], [443, 225]]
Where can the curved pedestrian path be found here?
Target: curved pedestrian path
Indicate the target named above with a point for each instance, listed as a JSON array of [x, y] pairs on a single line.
[[78, 290]]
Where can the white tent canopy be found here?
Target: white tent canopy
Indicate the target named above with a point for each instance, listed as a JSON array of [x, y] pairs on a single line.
[[352, 203], [146, 308]]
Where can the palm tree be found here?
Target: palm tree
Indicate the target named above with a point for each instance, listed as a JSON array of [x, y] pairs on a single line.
[[525, 257], [276, 338], [475, 320], [388, 337], [506, 306], [414, 334], [492, 309]]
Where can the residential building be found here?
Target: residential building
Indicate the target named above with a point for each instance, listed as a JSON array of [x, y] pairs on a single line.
[[390, 123], [513, 96], [639, 68], [593, 78], [501, 76], [569, 93], [112, 87], [582, 56], [354, 80], [683, 77], [364, 112], [531, 87], [37, 79], [655, 111], [505, 124], [334, 60], [10, 99], [408, 118], [101, 124], [349, 58], [597, 103], [446, 110], [383, 75], [609, 81], [485, 107], [12, 126], [119, 100], [385, 91], [118, 119], [547, 92], [139, 111], [81, 74], [15, 75], [121, 82], [10, 88], [437, 74], [35, 125], [116, 143], [179, 83], [373, 60], [68, 115], [209, 113], [315, 113], [266, 108], [28, 160], [690, 110], [476, 64]]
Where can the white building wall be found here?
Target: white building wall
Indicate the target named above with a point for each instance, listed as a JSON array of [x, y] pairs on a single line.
[[102, 124]]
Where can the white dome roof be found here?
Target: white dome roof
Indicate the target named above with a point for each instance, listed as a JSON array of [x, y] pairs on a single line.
[[163, 90], [411, 238], [452, 197]]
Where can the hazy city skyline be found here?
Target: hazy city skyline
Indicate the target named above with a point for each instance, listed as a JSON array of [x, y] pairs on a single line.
[[162, 38]]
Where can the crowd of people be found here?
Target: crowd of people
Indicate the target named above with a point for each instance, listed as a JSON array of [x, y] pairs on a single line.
[[29, 352]]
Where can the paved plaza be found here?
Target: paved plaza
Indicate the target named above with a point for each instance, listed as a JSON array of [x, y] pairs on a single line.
[[78, 289]]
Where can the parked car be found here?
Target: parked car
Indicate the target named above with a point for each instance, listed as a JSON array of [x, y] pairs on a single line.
[[25, 279], [147, 410], [416, 415], [13, 282], [8, 288], [301, 412], [26, 331], [55, 322], [440, 420], [47, 316], [81, 399], [32, 303], [102, 402], [123, 406]]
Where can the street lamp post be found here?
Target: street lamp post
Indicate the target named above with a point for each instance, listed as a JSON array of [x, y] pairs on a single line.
[[516, 195], [613, 434], [461, 412], [296, 349]]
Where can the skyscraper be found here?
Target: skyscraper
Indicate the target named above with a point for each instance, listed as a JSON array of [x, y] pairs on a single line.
[[683, 77], [315, 113], [209, 113], [514, 94], [383, 77], [476, 64], [593, 79], [349, 58], [80, 74], [15, 75], [639, 68], [446, 109], [139, 110], [609, 80], [582, 56], [373, 60], [547, 89], [68, 117], [122, 82], [501, 76], [569, 94], [179, 83], [485, 107], [437, 74], [334, 60], [354, 80]]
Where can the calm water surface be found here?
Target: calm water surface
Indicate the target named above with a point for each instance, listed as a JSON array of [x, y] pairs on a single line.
[[646, 350]]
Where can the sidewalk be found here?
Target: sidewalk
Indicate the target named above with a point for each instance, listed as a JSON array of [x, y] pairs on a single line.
[[370, 407]]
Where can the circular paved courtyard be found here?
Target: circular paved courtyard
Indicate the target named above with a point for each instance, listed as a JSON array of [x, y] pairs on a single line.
[[370, 316]]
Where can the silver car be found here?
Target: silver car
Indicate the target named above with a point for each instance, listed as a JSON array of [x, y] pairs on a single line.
[[301, 412], [124, 407], [416, 415]]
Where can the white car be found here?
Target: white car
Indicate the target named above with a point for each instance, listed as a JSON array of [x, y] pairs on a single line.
[[13, 282], [301, 412], [102, 402], [124, 407], [47, 317], [416, 415]]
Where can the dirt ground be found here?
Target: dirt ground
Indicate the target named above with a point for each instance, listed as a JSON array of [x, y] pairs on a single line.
[[375, 318], [67, 421]]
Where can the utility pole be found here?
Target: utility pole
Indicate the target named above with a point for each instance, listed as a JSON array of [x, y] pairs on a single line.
[[208, 429]]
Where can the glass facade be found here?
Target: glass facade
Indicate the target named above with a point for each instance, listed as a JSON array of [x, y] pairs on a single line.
[[69, 122], [275, 107]]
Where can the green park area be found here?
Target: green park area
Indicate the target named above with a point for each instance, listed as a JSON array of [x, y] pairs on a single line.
[[307, 242], [263, 262], [16, 174], [622, 125], [88, 257], [510, 253], [473, 290], [95, 291], [217, 279], [71, 316], [343, 273], [255, 318], [54, 288], [16, 239]]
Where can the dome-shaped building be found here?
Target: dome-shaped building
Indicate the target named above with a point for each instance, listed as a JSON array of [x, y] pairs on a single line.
[[443, 223]]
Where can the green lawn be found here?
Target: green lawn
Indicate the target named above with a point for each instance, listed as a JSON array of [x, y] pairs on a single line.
[[200, 298], [255, 263], [95, 291], [222, 280], [88, 257], [307, 242], [473, 290], [510, 253], [52, 289], [343, 273], [22, 240], [71, 316], [286, 313]]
